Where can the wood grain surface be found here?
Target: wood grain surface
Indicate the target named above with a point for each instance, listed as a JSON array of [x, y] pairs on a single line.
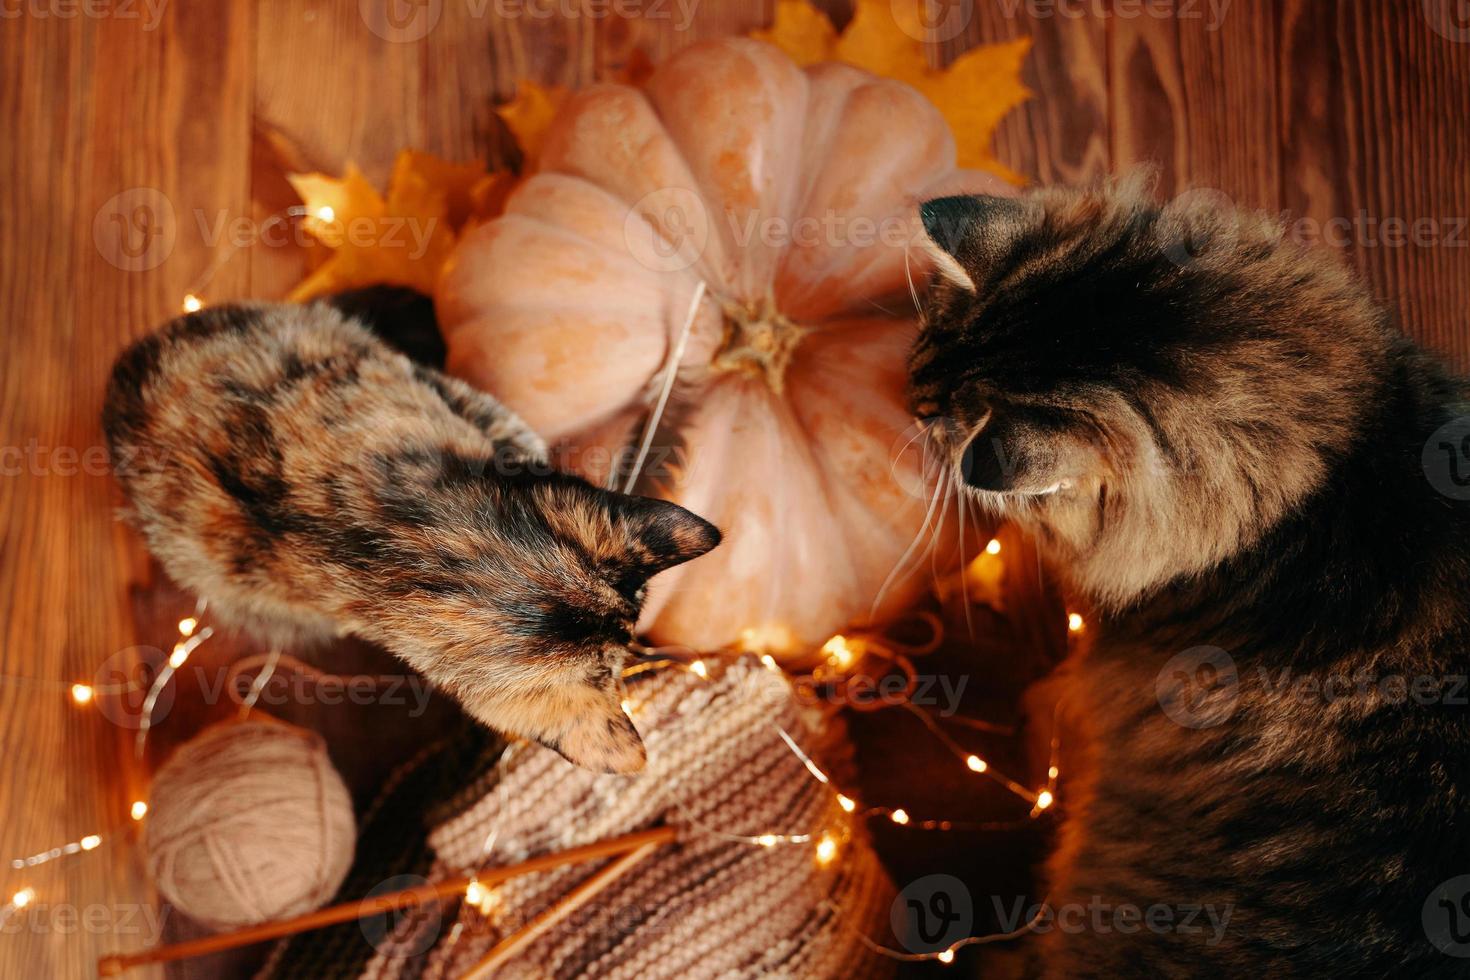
[[133, 129]]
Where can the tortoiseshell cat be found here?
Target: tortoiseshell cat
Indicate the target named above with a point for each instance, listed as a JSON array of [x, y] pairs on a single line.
[[1223, 444], [285, 463]]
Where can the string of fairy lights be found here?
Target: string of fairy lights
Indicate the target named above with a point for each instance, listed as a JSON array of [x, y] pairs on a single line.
[[825, 842], [193, 300], [840, 655]]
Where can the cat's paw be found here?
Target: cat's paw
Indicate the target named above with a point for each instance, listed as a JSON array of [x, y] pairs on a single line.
[[604, 743]]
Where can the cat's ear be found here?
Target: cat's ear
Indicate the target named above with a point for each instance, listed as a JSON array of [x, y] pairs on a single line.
[[963, 230], [664, 534]]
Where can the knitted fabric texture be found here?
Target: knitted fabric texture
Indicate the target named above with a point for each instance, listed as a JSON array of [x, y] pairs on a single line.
[[706, 906]]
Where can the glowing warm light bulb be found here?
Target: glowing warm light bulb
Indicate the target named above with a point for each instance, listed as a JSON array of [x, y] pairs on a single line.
[[899, 816], [187, 625], [177, 658], [976, 764], [192, 303], [325, 213], [91, 842], [699, 668], [1043, 799], [1051, 773], [1074, 622], [139, 810], [839, 652], [480, 897], [767, 840], [947, 956], [993, 548], [770, 638], [846, 803], [81, 693], [23, 898], [826, 850]]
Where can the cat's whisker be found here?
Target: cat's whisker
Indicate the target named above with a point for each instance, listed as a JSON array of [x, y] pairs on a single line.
[[964, 505], [908, 274], [921, 433], [937, 531], [901, 566], [881, 308]]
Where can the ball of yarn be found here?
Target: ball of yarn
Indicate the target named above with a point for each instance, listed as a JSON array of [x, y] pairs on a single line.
[[248, 822]]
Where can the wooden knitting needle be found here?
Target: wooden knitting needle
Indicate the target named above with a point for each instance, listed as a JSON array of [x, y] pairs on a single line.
[[579, 896], [115, 965]]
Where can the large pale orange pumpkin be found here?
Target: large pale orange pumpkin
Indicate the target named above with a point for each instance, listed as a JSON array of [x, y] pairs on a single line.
[[791, 193]]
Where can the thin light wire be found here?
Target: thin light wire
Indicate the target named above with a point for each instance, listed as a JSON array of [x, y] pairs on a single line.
[[963, 755], [261, 680], [188, 643], [671, 372], [223, 255], [938, 955]]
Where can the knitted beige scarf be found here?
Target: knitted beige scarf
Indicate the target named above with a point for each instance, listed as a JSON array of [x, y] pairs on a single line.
[[706, 906]]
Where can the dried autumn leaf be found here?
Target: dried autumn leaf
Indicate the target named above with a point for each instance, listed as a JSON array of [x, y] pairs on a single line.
[[529, 114], [456, 180], [331, 201], [802, 31], [995, 70], [875, 40], [401, 239], [974, 93]]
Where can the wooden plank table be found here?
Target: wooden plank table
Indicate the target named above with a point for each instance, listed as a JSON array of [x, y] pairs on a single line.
[[132, 129]]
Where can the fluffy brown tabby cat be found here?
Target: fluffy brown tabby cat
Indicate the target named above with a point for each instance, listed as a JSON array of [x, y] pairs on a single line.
[[286, 464], [1225, 445]]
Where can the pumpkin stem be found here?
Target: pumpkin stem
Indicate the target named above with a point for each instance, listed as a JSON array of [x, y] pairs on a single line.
[[759, 341]]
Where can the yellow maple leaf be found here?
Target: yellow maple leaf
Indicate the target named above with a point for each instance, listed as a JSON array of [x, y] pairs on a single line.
[[802, 31], [330, 200], [884, 37], [402, 238], [529, 115], [456, 180], [995, 71]]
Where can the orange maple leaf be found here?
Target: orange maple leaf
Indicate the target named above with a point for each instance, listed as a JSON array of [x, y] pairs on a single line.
[[403, 238], [529, 115], [973, 94]]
